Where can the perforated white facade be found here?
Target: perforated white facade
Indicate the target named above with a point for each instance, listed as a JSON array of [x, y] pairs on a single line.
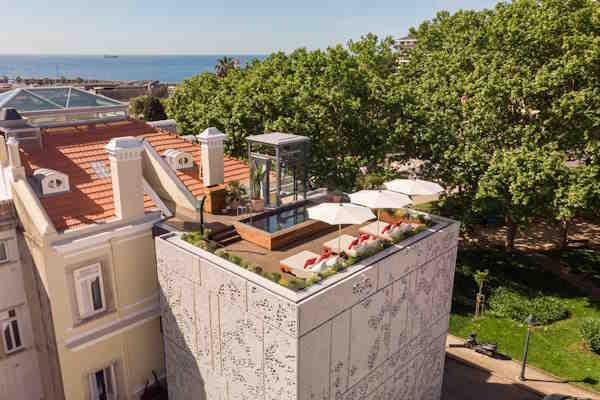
[[376, 331]]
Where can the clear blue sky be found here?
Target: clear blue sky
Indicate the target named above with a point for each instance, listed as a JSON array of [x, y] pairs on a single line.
[[204, 27]]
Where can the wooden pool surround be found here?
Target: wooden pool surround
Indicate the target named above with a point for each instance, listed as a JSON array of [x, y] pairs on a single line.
[[282, 238]]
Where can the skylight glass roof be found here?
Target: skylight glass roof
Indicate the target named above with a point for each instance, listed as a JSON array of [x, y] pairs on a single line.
[[53, 98]]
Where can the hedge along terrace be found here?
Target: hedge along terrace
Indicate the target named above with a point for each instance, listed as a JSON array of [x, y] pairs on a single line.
[[290, 281], [564, 341]]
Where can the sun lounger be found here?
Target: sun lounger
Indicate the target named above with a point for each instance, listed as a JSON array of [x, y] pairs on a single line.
[[351, 245], [306, 263], [386, 231]]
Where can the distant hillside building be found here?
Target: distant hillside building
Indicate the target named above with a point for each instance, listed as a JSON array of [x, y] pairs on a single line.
[[405, 45]]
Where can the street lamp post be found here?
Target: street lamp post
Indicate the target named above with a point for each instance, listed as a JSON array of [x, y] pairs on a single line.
[[530, 321]]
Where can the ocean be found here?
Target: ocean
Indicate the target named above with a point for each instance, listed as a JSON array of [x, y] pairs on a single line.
[[165, 68]]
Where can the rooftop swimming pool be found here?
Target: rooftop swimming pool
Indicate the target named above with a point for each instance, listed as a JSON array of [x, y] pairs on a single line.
[[278, 228], [279, 220]]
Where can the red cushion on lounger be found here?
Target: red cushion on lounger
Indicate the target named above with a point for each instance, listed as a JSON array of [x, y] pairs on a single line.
[[323, 257], [310, 262], [363, 237], [352, 244], [387, 228]]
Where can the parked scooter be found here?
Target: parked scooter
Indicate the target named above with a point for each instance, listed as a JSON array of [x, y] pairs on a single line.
[[488, 349]]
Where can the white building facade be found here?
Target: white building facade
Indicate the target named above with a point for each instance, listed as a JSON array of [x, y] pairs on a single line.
[[19, 370], [376, 331]]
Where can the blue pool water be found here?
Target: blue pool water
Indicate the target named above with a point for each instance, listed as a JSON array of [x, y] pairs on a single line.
[[280, 220]]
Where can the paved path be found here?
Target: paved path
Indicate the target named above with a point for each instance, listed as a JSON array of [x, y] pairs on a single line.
[[470, 375], [465, 382]]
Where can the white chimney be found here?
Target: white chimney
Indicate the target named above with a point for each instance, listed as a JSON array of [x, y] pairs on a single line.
[[14, 157], [213, 165], [125, 158], [3, 152]]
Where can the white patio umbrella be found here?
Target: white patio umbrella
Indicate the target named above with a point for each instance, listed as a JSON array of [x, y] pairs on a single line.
[[340, 214], [380, 199], [420, 191]]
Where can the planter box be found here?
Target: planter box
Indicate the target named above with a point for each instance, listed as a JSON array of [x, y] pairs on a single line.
[[374, 331]]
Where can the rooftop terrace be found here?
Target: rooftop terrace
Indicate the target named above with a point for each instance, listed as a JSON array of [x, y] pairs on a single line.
[[265, 264]]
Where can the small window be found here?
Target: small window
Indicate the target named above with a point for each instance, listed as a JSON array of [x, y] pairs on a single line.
[[55, 183], [3, 251], [89, 288], [11, 333], [103, 385]]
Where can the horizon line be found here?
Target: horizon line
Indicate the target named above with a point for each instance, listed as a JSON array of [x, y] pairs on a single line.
[[139, 54]]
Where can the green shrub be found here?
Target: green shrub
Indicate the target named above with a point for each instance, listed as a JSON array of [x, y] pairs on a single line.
[[420, 229], [314, 279], [350, 261], [272, 276], [509, 303], [148, 108], [234, 258], [590, 330], [222, 253], [297, 283], [327, 273], [256, 269], [548, 309]]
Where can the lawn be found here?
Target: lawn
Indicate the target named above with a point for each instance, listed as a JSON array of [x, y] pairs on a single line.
[[557, 348]]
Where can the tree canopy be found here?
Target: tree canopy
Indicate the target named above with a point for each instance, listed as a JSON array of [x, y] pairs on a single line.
[[340, 97], [526, 73], [148, 108], [484, 98]]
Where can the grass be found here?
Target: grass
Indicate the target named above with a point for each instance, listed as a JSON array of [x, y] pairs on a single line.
[[558, 347]]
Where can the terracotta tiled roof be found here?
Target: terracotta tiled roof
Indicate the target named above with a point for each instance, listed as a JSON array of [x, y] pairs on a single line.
[[72, 150], [235, 170]]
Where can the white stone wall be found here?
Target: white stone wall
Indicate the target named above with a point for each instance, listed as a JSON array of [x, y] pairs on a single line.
[[377, 331], [19, 371]]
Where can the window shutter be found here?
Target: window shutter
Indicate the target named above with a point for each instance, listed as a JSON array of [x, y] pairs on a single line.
[[8, 342], [111, 382], [12, 251], [89, 290], [97, 301], [82, 289], [16, 333], [4, 251], [93, 387]]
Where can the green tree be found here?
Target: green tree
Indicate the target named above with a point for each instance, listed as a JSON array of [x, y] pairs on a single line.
[[148, 108], [225, 65], [578, 195], [521, 183], [526, 73], [340, 97]]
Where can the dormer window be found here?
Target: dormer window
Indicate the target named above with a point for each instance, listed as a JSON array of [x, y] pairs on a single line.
[[49, 181], [55, 183], [178, 159]]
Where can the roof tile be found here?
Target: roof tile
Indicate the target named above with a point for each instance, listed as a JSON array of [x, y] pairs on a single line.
[[71, 150]]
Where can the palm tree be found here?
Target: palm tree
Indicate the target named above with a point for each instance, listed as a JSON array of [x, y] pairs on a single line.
[[224, 65]]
